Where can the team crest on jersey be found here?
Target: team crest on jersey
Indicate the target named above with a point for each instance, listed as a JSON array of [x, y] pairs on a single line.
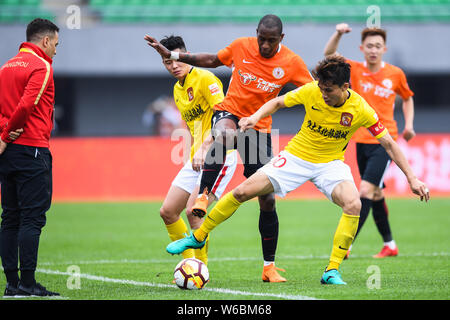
[[278, 73], [387, 83], [190, 93], [346, 119], [246, 77]]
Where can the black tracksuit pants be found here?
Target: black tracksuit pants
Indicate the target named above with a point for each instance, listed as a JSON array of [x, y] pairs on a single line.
[[26, 192]]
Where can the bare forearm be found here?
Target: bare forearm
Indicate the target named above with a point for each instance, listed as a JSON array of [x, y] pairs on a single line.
[[332, 44], [207, 142], [205, 60], [396, 154], [408, 112], [269, 108]]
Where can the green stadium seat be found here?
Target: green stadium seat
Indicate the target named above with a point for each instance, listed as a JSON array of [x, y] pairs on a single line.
[[201, 11], [22, 11]]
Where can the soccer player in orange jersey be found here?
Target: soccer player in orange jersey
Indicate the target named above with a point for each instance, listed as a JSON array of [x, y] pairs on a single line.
[[378, 83], [261, 66]]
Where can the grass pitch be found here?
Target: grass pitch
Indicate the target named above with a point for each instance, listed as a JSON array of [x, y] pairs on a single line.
[[119, 251]]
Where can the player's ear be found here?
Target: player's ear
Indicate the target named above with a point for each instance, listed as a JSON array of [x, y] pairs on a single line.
[[45, 41], [281, 37], [345, 86], [361, 48]]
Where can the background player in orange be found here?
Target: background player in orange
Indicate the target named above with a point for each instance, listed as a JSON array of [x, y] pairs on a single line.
[[261, 66], [378, 83]]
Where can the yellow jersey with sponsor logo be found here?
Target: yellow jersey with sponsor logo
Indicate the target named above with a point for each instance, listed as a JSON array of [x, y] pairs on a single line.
[[195, 99], [326, 130]]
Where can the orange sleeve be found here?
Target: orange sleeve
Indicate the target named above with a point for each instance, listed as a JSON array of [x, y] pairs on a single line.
[[350, 62], [225, 55], [301, 75], [403, 89]]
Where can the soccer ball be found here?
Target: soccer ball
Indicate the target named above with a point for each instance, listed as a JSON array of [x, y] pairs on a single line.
[[191, 274]]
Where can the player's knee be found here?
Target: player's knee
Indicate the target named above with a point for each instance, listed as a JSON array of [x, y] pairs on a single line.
[[241, 194], [352, 207], [366, 190], [190, 216], [378, 194], [167, 216]]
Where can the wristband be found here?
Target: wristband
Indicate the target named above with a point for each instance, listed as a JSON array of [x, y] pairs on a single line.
[[174, 55]]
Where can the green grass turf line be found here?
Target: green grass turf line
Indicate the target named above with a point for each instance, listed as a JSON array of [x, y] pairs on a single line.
[[126, 242]]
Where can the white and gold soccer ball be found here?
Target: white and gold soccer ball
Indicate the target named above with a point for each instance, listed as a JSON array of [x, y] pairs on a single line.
[[191, 274]]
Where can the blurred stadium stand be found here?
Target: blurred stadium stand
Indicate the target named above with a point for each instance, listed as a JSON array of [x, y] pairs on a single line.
[[244, 11], [106, 75]]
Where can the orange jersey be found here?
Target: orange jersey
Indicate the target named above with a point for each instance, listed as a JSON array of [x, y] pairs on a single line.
[[379, 90], [256, 80]]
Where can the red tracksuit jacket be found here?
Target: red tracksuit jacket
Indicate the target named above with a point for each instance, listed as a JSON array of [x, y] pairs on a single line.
[[27, 94]]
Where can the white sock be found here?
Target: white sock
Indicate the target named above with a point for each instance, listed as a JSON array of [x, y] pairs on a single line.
[[267, 263], [391, 244]]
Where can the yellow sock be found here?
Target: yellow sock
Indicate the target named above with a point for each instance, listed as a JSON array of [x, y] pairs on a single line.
[[343, 238], [202, 253], [177, 230], [223, 209]]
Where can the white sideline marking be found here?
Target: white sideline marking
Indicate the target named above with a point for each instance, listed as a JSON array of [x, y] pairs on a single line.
[[306, 257], [159, 285], [28, 297]]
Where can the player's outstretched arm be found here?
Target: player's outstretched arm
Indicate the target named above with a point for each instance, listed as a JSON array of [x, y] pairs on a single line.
[[200, 155], [205, 60], [333, 42], [266, 110], [408, 113], [396, 154]]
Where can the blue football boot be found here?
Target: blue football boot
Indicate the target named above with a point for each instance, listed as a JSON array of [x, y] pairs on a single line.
[[332, 277], [188, 242]]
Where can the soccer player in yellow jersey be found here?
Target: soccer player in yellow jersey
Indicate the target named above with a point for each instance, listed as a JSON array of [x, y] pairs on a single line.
[[195, 93], [316, 153]]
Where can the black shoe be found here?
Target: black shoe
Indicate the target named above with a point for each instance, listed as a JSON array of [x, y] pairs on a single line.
[[36, 290], [10, 291]]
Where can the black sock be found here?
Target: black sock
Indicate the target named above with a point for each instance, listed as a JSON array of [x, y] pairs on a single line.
[[380, 215], [366, 205], [268, 228], [27, 278], [12, 277], [214, 162]]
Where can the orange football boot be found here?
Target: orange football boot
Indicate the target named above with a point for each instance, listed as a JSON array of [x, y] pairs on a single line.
[[270, 274], [201, 205], [387, 252], [347, 255]]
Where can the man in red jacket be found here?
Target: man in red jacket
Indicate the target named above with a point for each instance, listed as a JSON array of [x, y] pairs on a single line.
[[26, 102]]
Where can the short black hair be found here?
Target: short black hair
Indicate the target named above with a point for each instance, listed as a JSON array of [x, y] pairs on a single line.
[[271, 21], [38, 28], [173, 42], [373, 32], [333, 69]]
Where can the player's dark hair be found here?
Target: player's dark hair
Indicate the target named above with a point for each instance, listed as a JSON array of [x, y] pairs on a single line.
[[333, 69], [39, 28], [271, 21], [173, 42], [373, 32]]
